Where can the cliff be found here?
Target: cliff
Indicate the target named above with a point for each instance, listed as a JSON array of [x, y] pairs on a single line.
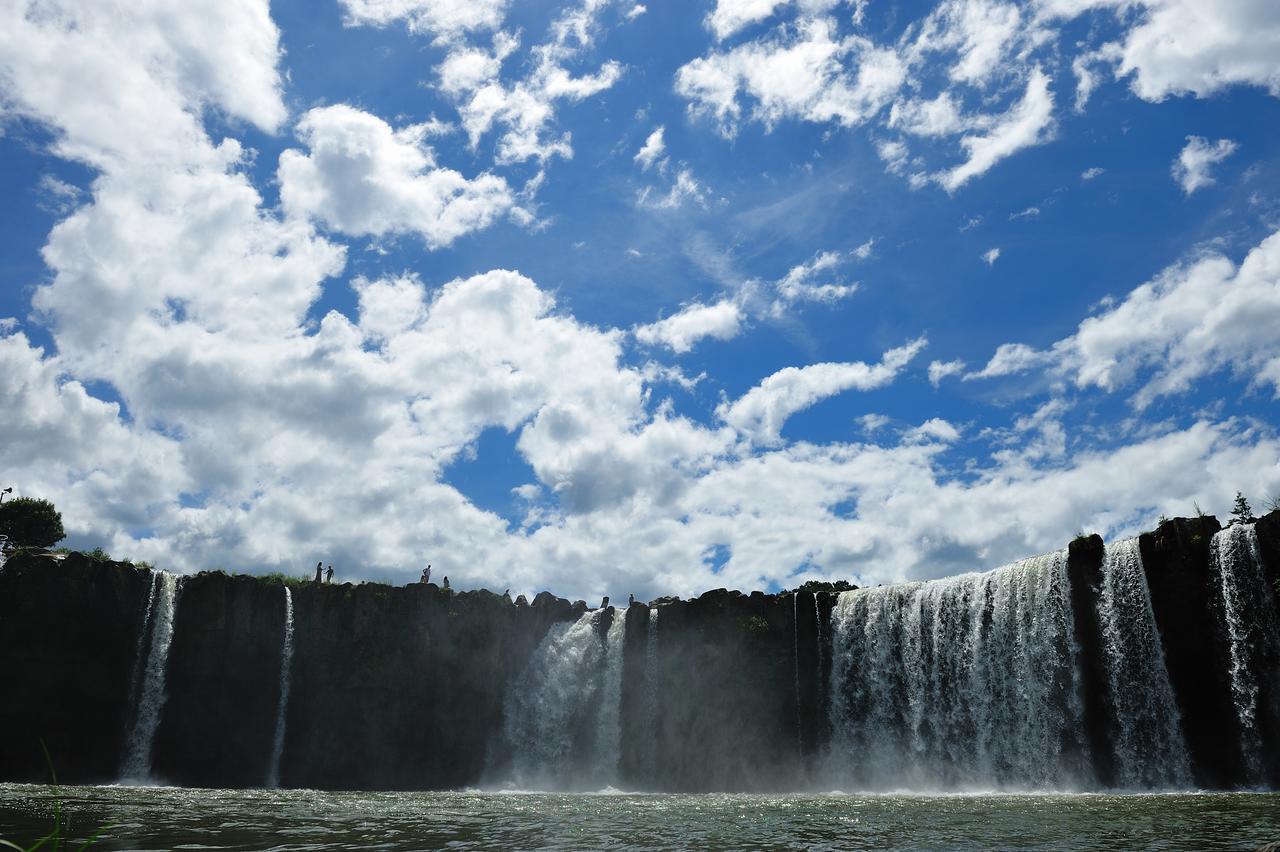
[[406, 687]]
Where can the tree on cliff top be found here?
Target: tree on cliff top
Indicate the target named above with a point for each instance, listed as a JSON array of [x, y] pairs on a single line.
[[1242, 512], [26, 520]]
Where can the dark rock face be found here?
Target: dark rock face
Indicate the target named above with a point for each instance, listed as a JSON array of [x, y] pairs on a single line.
[[68, 635], [1176, 561], [1084, 572], [404, 688]]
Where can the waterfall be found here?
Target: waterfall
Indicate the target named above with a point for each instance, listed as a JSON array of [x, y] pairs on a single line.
[[139, 661], [651, 698], [282, 708], [609, 714], [561, 714], [795, 662], [1146, 725], [146, 718], [968, 682], [1249, 622]]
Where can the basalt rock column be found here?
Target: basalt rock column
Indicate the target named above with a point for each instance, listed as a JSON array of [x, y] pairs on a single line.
[[1176, 560], [1085, 556]]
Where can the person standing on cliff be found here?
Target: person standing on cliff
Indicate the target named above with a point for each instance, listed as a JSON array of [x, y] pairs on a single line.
[[328, 574], [426, 574], [319, 570]]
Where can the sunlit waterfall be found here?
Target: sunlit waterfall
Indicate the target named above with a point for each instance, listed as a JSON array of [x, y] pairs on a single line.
[[137, 758], [282, 707], [140, 661], [1249, 617], [562, 713], [1146, 725], [968, 682]]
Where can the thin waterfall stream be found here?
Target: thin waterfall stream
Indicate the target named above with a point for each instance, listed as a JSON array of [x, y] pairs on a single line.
[[151, 699], [282, 708]]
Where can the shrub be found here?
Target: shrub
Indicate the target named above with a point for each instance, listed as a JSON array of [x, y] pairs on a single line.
[[31, 522]]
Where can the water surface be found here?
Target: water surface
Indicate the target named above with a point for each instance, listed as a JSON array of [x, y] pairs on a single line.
[[161, 818]]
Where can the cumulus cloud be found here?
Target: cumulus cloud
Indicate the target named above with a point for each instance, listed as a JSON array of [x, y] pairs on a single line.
[[692, 323], [361, 177], [1189, 47], [1193, 319], [761, 412], [653, 148], [1091, 173], [1192, 168], [990, 256], [807, 72], [524, 110]]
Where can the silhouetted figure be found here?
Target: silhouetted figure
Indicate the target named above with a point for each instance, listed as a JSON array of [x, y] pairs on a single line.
[[426, 575], [319, 571], [507, 594], [604, 604], [328, 574], [445, 584], [631, 600]]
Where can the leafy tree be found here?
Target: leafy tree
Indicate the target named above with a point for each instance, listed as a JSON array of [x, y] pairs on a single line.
[[1241, 513], [32, 522]]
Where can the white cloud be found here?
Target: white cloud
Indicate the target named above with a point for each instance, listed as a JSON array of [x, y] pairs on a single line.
[[934, 429], [730, 16], [1010, 358], [636, 11], [1192, 320], [1192, 47], [1029, 213], [525, 110], [1027, 123], [804, 283], [653, 148], [863, 251], [761, 412], [692, 323], [979, 32], [99, 72], [361, 177], [799, 73], [939, 370], [990, 256], [684, 188], [1197, 158], [444, 18], [1091, 173]]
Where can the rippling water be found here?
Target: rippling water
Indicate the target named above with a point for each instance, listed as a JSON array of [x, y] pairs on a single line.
[[161, 818]]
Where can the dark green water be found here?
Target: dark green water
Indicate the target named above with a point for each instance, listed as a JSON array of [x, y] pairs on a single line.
[[169, 818]]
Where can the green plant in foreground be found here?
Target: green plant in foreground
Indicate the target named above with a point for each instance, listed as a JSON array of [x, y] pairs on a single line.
[[57, 839]]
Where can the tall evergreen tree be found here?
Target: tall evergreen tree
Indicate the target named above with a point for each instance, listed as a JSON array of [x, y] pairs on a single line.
[[1241, 512]]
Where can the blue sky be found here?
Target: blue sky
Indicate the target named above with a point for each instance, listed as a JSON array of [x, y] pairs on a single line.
[[609, 297]]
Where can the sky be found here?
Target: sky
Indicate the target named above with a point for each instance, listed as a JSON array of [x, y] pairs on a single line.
[[613, 297]]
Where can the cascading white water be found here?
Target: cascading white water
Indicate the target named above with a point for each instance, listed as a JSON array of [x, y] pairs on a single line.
[[282, 707], [963, 683], [609, 714], [651, 697], [1249, 621], [139, 662], [561, 715], [151, 699], [795, 662], [1150, 751]]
